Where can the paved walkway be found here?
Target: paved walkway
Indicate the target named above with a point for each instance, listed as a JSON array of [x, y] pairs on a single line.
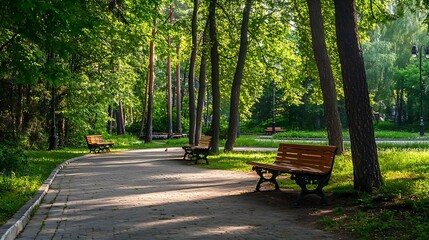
[[151, 194]]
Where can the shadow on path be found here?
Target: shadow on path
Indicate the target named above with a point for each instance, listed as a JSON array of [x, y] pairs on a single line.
[[153, 194]]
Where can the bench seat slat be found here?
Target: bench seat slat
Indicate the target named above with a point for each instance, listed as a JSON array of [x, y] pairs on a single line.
[[321, 167], [303, 153], [304, 162], [307, 158], [290, 168]]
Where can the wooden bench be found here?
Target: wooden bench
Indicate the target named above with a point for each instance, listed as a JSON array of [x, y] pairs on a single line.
[[307, 164], [96, 143], [269, 130], [200, 151]]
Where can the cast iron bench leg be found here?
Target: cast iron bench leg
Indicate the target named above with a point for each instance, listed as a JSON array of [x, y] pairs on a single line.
[[188, 152], [262, 179], [303, 180]]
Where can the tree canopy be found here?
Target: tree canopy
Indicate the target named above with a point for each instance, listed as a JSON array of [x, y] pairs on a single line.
[[101, 66]]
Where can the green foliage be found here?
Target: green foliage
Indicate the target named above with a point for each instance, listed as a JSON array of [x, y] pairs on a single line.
[[25, 184], [12, 160], [399, 209]]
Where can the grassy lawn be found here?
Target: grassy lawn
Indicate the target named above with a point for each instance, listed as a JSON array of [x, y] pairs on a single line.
[[399, 210], [323, 134]]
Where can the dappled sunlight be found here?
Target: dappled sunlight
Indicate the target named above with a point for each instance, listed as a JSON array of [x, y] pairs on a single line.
[[169, 220], [223, 230], [157, 194]]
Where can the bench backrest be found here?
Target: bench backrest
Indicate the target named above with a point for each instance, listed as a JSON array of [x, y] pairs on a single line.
[[314, 156], [205, 141], [94, 139], [270, 129]]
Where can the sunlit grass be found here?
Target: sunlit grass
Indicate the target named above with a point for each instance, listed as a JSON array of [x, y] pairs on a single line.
[[16, 191], [323, 134], [24, 185], [404, 167], [405, 174]]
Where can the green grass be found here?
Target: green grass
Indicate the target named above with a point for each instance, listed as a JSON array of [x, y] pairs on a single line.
[[16, 191], [323, 134], [400, 209], [23, 186]]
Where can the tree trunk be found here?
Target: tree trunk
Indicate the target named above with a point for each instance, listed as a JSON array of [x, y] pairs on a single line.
[[144, 103], [110, 120], [206, 119], [148, 135], [61, 130], [214, 56], [327, 82], [11, 101], [234, 112], [178, 93], [53, 136], [20, 109], [201, 87], [131, 117], [366, 170], [191, 87], [120, 120], [169, 90], [27, 115]]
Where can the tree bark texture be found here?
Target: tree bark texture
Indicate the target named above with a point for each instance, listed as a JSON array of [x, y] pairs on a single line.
[[327, 82], [61, 130], [145, 99], [120, 120], [148, 135], [201, 87], [214, 56], [366, 170], [191, 87], [234, 112], [169, 86], [20, 108], [53, 136], [178, 93], [110, 121]]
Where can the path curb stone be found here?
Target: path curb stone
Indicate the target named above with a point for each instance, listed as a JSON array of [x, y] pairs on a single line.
[[16, 224]]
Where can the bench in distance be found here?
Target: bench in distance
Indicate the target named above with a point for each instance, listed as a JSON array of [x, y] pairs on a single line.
[[269, 130], [200, 151], [96, 143]]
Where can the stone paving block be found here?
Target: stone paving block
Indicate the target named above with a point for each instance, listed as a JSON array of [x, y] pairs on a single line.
[[153, 194]]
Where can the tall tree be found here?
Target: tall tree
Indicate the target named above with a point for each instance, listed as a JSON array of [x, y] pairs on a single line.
[[366, 170], [327, 81], [144, 103], [110, 120], [178, 92], [214, 56], [169, 86], [53, 137], [191, 87], [201, 85], [148, 135], [234, 112], [120, 119]]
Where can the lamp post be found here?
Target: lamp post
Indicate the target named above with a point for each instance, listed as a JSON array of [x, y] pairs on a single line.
[[414, 51]]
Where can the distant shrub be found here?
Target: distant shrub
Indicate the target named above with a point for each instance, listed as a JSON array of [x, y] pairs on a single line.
[[12, 160]]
